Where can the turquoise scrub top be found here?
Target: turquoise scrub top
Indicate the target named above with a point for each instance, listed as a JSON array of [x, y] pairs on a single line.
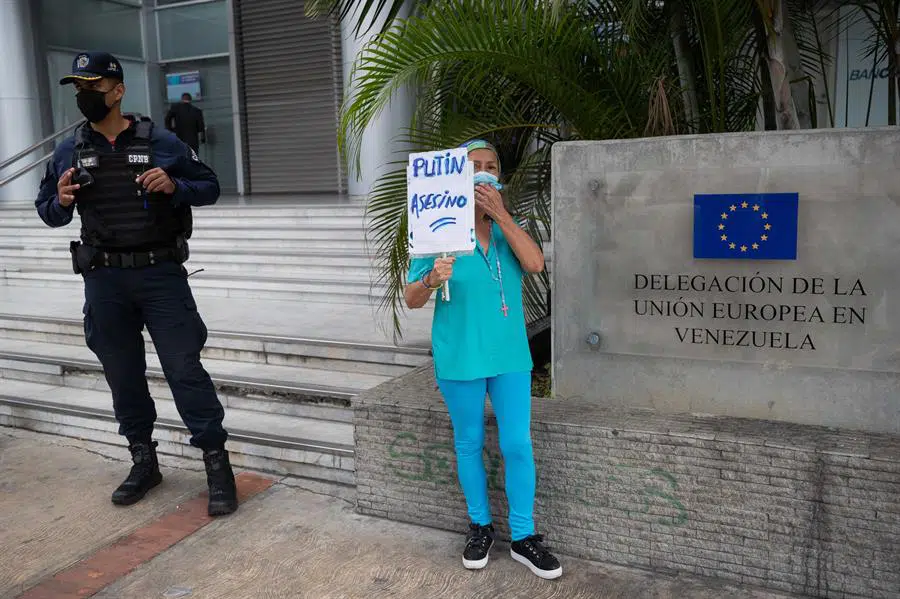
[[471, 338]]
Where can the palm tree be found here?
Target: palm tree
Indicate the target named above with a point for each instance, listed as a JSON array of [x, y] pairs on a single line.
[[528, 73]]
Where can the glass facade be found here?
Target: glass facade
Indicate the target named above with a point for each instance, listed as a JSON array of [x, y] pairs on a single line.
[[193, 30], [83, 24], [216, 104], [193, 37]]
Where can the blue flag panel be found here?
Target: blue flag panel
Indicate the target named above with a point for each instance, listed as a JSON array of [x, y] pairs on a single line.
[[746, 226]]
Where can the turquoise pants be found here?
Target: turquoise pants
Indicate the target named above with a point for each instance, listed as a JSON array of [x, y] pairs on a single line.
[[511, 399]]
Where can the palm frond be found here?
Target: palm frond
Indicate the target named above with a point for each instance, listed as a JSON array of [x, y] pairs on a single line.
[[815, 28], [366, 13], [386, 240], [509, 38], [724, 31]]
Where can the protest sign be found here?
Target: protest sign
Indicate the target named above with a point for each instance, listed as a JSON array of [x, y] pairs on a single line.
[[440, 204]]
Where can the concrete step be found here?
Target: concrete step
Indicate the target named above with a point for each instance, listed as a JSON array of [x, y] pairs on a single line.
[[231, 244], [353, 286], [232, 238], [348, 267], [221, 211], [264, 388], [238, 231], [224, 252], [349, 324], [278, 443], [14, 249], [231, 396], [230, 222], [278, 350], [357, 270], [316, 290]]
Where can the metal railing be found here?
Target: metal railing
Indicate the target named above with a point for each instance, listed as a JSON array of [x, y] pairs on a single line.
[[13, 159]]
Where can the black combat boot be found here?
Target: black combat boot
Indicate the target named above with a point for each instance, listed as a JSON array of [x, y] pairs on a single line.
[[144, 474], [220, 477]]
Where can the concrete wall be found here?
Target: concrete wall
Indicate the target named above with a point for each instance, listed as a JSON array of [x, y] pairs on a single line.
[[625, 210], [797, 508]]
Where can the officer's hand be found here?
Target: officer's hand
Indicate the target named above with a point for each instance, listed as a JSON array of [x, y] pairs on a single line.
[[156, 180], [65, 191]]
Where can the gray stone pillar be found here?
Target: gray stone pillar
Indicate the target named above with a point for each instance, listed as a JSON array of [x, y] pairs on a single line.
[[156, 90], [20, 102]]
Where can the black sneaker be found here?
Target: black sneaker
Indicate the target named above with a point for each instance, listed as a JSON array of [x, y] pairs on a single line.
[[531, 552], [478, 546]]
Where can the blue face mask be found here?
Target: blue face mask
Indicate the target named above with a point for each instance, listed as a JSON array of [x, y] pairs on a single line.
[[485, 178]]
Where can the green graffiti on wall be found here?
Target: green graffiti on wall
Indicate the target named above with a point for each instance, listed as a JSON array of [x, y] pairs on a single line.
[[659, 487], [432, 463], [633, 491]]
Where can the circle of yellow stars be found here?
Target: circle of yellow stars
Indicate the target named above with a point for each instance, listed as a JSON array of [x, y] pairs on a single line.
[[743, 247]]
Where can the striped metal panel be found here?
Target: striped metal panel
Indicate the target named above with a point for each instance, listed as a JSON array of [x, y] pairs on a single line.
[[291, 88]]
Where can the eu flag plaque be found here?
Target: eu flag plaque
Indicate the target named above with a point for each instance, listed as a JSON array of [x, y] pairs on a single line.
[[750, 275], [750, 226]]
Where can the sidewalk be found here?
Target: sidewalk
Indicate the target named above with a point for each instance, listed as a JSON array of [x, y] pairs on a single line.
[[57, 525]]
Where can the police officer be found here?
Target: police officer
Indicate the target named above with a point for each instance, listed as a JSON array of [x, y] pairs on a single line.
[[133, 186]]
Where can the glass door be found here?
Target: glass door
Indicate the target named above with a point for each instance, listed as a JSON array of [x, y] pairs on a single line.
[[215, 102]]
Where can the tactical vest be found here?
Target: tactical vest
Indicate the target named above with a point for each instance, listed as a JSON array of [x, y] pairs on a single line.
[[117, 213]]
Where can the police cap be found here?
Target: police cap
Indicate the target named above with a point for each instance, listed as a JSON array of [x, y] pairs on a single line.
[[93, 66]]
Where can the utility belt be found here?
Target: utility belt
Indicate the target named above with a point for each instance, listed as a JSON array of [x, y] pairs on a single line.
[[86, 258]]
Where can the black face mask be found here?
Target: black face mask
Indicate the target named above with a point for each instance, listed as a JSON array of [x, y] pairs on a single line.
[[92, 104]]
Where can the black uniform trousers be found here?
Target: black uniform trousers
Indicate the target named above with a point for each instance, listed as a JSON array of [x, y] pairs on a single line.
[[119, 302]]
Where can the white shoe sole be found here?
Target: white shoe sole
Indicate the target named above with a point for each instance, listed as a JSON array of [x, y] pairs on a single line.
[[545, 574], [477, 564]]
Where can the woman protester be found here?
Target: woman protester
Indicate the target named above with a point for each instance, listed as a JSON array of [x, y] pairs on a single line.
[[480, 348]]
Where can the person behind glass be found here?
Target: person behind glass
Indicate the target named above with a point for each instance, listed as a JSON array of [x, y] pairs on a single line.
[[480, 347], [133, 185], [186, 121]]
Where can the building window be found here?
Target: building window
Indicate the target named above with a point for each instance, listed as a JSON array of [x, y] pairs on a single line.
[[194, 30], [101, 25]]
